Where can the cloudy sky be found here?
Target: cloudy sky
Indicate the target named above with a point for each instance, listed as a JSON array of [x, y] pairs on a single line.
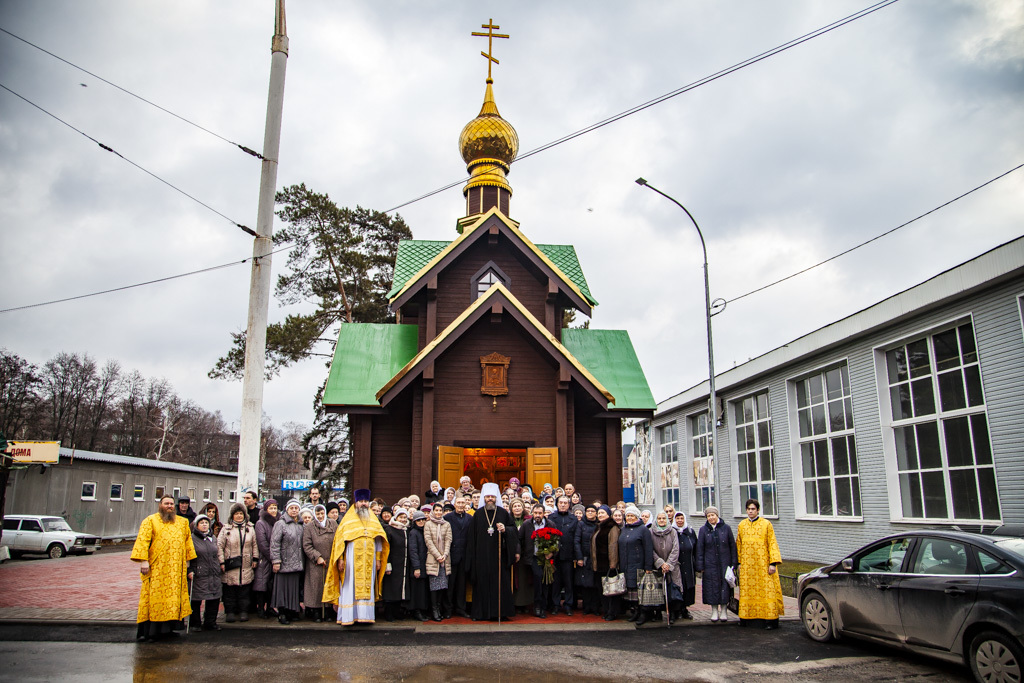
[[783, 164]]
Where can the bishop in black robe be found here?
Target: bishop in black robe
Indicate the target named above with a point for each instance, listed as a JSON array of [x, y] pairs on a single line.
[[490, 574]]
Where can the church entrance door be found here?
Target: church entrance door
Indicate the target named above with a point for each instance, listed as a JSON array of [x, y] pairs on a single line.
[[533, 466]]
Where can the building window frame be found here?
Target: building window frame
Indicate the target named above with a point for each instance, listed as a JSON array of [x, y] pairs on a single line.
[[668, 458], [191, 494], [493, 273], [176, 494], [206, 495], [119, 492], [231, 495], [220, 495], [701, 449], [139, 493], [928, 419], [752, 416], [158, 492], [88, 490], [819, 441], [1020, 309]]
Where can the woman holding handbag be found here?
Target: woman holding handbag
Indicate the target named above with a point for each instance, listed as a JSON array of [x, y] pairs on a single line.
[[666, 561], [636, 556], [604, 558], [239, 555]]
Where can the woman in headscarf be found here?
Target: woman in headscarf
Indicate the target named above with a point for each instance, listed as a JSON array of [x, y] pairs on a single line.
[[716, 552], [395, 591], [575, 498], [604, 558], [438, 537], [514, 489], [636, 556], [419, 588], [213, 514], [687, 561], [204, 572], [236, 545], [579, 510], [264, 581], [435, 493], [666, 561], [317, 540], [286, 552], [306, 515], [449, 495], [588, 583]]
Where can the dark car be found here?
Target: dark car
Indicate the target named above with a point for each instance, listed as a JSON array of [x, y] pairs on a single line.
[[952, 595]]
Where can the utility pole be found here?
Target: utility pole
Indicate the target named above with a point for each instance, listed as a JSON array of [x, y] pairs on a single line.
[[259, 284]]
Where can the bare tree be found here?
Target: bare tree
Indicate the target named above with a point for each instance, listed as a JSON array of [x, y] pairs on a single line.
[[19, 383]]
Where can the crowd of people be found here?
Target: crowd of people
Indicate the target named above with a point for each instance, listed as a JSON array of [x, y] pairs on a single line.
[[480, 554]]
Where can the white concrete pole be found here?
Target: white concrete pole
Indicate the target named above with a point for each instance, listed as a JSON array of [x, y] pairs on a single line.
[[260, 282]]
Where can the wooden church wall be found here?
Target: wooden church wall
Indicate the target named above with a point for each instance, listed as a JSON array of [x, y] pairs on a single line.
[[391, 435], [462, 415], [598, 453], [454, 283]]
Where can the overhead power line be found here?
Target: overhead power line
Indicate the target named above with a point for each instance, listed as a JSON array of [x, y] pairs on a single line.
[[875, 238], [242, 147], [143, 284], [674, 93], [144, 170]]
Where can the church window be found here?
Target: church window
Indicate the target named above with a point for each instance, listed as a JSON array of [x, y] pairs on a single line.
[[486, 277]]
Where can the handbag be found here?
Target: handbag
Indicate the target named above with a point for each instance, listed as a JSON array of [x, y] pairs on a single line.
[[613, 585], [233, 563], [650, 589]]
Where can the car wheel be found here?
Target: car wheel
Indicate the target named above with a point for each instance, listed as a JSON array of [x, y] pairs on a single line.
[[817, 618], [996, 657], [56, 551]]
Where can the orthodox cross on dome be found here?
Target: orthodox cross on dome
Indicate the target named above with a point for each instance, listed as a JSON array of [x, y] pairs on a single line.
[[490, 35]]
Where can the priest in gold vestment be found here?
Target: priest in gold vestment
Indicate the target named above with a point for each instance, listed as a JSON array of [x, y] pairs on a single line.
[[163, 549], [758, 552], [355, 572]]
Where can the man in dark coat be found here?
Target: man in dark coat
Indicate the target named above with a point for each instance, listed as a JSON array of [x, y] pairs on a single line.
[[565, 521], [252, 508], [185, 509], [418, 567], [459, 521], [492, 547], [528, 552]]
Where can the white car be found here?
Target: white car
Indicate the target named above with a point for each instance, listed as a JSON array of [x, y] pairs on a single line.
[[45, 534]]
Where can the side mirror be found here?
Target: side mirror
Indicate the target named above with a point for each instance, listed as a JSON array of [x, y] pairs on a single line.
[[848, 564]]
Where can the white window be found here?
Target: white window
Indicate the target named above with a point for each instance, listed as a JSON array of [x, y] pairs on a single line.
[[1020, 305], [668, 440], [485, 282], [828, 449], [755, 455], [206, 494], [220, 495], [940, 428], [703, 462], [158, 492], [176, 492], [191, 494], [231, 496], [115, 491], [88, 490], [140, 492]]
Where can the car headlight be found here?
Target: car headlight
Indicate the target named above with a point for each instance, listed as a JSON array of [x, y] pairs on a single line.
[[78, 541]]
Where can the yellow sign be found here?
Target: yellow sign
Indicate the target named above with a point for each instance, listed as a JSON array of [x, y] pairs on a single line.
[[34, 451]]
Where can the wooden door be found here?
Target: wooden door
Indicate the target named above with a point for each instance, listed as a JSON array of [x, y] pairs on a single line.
[[541, 468], [449, 466]]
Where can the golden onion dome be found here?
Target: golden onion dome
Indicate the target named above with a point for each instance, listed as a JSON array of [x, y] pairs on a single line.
[[488, 136]]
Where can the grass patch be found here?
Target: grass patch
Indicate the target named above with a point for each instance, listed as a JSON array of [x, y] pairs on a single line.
[[797, 567]]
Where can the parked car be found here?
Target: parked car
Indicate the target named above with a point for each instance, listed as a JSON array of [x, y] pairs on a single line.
[[947, 594], [45, 534]]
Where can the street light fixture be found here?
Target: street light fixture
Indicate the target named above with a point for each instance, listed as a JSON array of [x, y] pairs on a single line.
[[719, 306]]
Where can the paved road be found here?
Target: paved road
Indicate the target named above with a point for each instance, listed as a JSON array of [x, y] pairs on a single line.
[[688, 653]]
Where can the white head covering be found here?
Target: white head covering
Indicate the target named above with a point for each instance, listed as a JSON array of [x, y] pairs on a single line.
[[490, 489], [324, 508], [631, 510]]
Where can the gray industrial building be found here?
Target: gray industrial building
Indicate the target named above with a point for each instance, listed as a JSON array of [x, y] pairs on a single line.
[[904, 415], [109, 495]]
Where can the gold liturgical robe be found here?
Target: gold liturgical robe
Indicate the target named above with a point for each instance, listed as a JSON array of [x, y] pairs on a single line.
[[167, 546], [362, 536], [760, 592]]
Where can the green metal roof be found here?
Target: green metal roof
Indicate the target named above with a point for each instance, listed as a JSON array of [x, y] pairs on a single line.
[[609, 356], [366, 357], [414, 254]]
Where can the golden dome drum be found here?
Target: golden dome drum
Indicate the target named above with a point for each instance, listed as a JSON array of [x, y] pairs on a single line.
[[489, 137]]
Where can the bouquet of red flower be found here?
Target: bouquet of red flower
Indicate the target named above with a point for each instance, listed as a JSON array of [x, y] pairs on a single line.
[[548, 542]]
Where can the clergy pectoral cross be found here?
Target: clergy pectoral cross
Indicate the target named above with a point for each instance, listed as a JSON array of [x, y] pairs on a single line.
[[490, 35], [490, 531]]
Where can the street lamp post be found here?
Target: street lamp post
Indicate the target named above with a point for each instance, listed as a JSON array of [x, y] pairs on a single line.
[[712, 407]]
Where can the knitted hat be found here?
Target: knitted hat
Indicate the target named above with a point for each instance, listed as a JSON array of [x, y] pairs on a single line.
[[362, 494], [293, 501], [709, 509], [417, 515], [632, 510], [607, 510], [579, 507]]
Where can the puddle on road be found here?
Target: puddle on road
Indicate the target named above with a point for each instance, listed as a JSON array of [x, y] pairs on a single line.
[[437, 673]]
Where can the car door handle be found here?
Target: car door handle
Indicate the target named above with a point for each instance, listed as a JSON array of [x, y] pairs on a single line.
[[883, 586], [955, 591]]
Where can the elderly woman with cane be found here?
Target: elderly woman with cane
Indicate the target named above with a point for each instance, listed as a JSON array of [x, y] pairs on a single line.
[[204, 574]]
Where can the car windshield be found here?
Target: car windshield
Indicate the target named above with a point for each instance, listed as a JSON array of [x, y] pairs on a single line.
[[1012, 545], [55, 524]]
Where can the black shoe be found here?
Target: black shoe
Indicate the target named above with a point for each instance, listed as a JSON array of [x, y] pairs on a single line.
[[261, 613], [568, 611], [771, 627], [283, 619], [686, 614], [461, 613], [196, 629], [230, 618], [212, 627], [244, 616], [633, 615], [641, 619], [437, 614], [608, 617]]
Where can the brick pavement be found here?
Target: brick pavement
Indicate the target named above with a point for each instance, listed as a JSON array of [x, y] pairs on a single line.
[[104, 588]]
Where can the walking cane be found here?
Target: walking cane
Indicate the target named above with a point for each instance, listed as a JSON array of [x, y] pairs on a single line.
[[500, 542], [668, 610], [191, 590]]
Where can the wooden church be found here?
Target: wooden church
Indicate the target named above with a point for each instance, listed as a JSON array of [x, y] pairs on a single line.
[[478, 377]]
